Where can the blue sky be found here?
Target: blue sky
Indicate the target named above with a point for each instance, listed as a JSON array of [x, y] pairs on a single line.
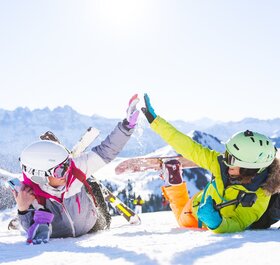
[[216, 59]]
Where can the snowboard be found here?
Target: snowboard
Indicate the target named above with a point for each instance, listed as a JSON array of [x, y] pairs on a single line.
[[141, 164], [117, 204]]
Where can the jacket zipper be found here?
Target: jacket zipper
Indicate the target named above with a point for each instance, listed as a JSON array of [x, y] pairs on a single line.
[[69, 219]]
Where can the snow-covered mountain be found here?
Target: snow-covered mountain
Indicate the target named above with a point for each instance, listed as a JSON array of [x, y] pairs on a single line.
[[224, 130], [22, 126]]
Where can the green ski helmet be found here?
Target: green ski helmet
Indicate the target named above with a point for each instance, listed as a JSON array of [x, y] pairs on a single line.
[[249, 150]]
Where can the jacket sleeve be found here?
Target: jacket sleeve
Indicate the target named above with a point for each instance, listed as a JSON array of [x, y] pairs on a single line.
[[26, 219], [114, 143], [106, 151], [185, 145]]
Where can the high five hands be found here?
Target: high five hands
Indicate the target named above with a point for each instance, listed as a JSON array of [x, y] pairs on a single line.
[[132, 112]]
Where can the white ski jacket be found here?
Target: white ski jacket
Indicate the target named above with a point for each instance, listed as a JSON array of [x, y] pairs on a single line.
[[74, 211]]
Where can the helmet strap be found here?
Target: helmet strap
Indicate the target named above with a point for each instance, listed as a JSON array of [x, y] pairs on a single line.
[[261, 170]]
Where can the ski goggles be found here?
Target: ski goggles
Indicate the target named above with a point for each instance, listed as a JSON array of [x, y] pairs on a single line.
[[60, 171], [230, 160]]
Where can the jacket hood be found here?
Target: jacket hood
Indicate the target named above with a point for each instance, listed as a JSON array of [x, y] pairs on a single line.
[[272, 185]]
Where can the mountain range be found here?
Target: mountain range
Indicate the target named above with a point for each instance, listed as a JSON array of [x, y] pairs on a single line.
[[22, 126]]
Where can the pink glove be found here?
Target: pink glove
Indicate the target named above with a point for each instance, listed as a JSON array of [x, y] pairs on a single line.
[[132, 112]]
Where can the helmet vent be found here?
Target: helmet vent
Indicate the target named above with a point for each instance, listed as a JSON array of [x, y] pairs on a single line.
[[267, 142], [261, 142], [236, 147], [252, 138]]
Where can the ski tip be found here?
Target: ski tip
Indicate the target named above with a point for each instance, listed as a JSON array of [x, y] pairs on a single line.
[[135, 220]]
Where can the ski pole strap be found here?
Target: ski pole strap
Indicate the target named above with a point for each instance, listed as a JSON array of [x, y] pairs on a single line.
[[213, 182], [202, 201], [215, 186]]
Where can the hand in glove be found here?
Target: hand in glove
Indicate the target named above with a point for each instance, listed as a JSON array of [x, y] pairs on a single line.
[[132, 113], [40, 231], [148, 110], [208, 214]]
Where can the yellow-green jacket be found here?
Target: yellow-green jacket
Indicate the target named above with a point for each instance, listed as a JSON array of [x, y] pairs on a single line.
[[234, 218]]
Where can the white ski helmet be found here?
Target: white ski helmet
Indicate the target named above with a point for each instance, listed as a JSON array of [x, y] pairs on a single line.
[[41, 156]]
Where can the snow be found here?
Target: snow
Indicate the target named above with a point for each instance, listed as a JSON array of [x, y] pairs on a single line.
[[157, 240]]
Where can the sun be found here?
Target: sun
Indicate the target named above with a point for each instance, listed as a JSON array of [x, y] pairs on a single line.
[[122, 16]]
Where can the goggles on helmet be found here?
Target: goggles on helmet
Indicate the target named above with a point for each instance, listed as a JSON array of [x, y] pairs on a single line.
[[40, 176], [230, 160], [59, 171]]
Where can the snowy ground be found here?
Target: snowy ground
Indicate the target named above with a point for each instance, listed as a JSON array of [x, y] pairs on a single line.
[[157, 240]]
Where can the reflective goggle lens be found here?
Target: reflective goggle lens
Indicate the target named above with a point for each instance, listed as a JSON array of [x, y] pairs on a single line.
[[61, 169], [229, 159]]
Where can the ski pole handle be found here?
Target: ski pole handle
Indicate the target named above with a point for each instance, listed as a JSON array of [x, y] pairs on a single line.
[[224, 204], [244, 198]]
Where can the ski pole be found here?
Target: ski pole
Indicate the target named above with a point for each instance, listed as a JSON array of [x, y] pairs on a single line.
[[246, 199]]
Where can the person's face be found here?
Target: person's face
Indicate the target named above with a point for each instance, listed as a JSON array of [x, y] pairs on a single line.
[[56, 182], [59, 174], [234, 171]]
